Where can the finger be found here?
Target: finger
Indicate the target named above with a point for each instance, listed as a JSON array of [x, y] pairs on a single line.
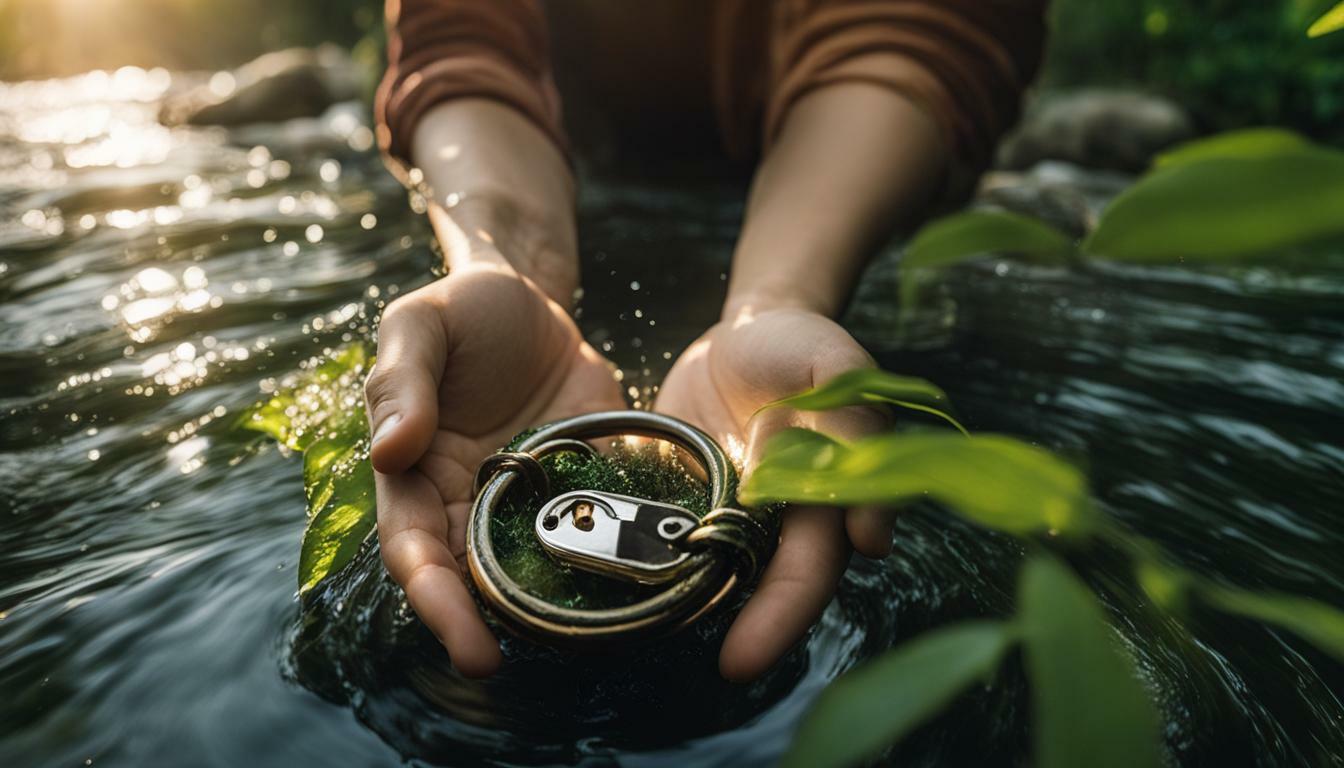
[[402, 389], [412, 534], [794, 590], [869, 528]]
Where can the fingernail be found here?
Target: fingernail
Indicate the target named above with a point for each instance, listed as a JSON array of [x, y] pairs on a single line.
[[389, 424]]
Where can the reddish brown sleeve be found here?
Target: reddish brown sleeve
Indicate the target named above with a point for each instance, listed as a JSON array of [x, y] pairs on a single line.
[[966, 62], [447, 49]]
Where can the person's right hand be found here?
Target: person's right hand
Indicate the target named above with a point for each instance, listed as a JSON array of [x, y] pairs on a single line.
[[463, 365]]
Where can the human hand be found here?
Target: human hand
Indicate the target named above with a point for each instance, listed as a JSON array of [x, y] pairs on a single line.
[[749, 359], [463, 365]]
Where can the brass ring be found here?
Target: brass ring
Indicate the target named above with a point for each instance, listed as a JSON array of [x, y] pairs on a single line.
[[727, 548]]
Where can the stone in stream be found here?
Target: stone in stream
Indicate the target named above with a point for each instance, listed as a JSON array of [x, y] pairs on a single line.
[[1097, 128], [297, 82]]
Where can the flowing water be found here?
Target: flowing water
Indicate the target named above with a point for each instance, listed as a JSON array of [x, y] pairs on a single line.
[[156, 282]]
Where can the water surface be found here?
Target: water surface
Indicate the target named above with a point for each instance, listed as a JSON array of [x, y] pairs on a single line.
[[156, 282]]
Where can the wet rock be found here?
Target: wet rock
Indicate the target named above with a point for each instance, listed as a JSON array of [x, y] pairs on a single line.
[[1066, 196], [298, 82], [1097, 128]]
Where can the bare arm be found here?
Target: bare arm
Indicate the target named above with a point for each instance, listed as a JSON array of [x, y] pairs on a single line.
[[852, 162], [502, 191]]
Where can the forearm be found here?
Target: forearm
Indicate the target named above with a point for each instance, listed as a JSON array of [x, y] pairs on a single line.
[[502, 193], [853, 162]]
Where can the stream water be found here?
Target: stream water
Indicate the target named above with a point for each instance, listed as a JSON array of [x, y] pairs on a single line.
[[156, 282]]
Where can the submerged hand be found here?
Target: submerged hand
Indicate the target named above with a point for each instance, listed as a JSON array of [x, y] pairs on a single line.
[[719, 384], [464, 364]]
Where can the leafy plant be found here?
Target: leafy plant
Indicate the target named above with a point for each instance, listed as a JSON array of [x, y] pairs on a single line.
[[1225, 205], [320, 412], [1225, 197], [1090, 708]]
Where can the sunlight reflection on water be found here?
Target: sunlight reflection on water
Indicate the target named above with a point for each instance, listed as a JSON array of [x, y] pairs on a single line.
[[155, 282]]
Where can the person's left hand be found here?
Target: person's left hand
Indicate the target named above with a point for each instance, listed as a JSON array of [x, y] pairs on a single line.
[[750, 359]]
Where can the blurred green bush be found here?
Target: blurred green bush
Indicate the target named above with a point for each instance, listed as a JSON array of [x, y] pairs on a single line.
[[1233, 63]]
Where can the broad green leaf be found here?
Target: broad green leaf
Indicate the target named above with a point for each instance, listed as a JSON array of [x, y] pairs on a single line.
[[965, 235], [867, 386], [1166, 587], [338, 483], [1332, 21], [1225, 207], [878, 704], [320, 411], [954, 238], [314, 400], [1317, 623], [1248, 142], [995, 481], [1089, 707], [1320, 624]]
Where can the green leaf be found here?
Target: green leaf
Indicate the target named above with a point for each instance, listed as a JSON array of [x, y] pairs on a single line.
[[965, 235], [338, 482], [1314, 621], [1166, 587], [1249, 142], [1332, 21], [876, 705], [954, 238], [320, 411], [1320, 624], [1089, 706], [313, 400], [1224, 207], [992, 480], [867, 386]]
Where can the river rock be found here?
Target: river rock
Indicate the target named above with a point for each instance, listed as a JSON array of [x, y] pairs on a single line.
[[1096, 128], [297, 82]]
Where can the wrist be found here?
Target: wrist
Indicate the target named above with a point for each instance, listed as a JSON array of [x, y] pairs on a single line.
[[479, 231], [558, 288], [745, 301]]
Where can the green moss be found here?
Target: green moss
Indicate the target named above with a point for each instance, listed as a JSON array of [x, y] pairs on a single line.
[[645, 472]]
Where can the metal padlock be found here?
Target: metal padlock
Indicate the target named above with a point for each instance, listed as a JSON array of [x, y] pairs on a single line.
[[615, 535], [698, 562]]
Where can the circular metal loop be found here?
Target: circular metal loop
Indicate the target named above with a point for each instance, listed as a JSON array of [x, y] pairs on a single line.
[[709, 578], [528, 463], [744, 538]]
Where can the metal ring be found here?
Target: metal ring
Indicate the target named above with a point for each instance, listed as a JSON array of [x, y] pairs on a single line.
[[710, 576]]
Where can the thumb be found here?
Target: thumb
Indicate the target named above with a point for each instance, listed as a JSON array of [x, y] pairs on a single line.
[[402, 390]]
